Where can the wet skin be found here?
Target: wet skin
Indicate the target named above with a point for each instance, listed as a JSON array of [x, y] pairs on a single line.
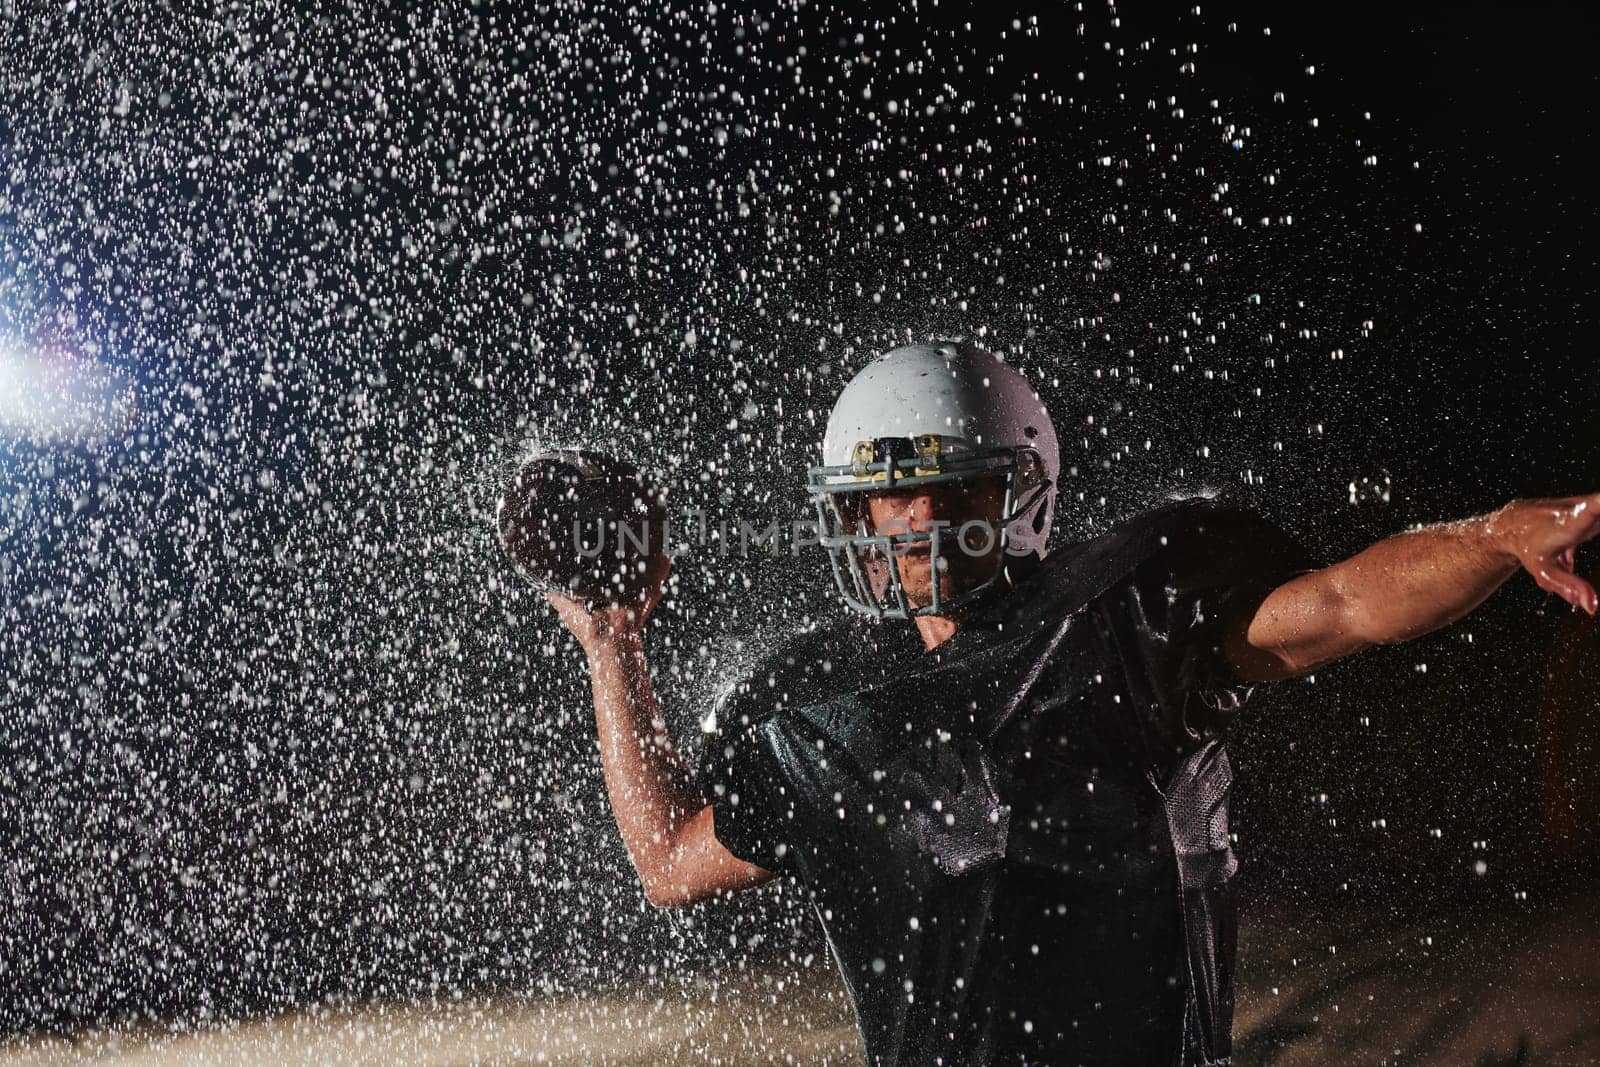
[[918, 509]]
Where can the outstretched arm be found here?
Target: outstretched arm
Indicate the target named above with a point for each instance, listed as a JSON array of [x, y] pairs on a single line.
[[665, 823], [1413, 583]]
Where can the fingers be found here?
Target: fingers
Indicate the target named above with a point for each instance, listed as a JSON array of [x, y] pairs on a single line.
[[1584, 596], [564, 605], [625, 614], [1554, 576]]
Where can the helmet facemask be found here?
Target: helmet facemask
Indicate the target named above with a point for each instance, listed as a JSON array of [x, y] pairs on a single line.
[[864, 561]]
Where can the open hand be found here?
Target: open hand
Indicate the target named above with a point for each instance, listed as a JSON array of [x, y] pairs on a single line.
[[1543, 535]]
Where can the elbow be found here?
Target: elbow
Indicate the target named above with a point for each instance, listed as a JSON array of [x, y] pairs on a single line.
[[663, 893], [669, 884], [661, 896], [657, 882], [692, 866], [1300, 628]]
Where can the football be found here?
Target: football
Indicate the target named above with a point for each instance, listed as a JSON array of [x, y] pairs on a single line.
[[584, 524]]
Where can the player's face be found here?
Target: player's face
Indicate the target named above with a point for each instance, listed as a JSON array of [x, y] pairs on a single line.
[[965, 561]]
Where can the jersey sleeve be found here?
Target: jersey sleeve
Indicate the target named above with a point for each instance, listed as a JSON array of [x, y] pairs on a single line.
[[1222, 559], [742, 777], [769, 771], [757, 771]]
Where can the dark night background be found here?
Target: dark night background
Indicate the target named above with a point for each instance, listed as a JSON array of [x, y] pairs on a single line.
[[279, 726]]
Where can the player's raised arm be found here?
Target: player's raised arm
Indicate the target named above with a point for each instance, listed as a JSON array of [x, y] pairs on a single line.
[[665, 823], [1411, 584], [552, 520]]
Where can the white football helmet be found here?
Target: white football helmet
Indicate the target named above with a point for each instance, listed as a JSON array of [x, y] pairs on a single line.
[[922, 414]]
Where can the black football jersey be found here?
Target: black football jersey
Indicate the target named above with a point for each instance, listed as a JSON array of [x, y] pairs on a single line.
[[1018, 842]]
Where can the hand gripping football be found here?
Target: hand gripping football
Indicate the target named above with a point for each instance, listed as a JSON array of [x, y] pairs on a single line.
[[584, 524]]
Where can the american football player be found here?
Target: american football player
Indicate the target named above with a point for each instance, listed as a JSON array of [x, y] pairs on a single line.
[[1007, 794]]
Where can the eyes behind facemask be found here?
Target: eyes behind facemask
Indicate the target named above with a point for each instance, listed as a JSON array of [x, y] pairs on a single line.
[[955, 500]]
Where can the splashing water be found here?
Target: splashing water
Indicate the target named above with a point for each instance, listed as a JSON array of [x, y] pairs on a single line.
[[286, 295]]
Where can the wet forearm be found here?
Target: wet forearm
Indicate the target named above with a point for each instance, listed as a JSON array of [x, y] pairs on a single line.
[[1418, 581], [1400, 588], [652, 790]]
